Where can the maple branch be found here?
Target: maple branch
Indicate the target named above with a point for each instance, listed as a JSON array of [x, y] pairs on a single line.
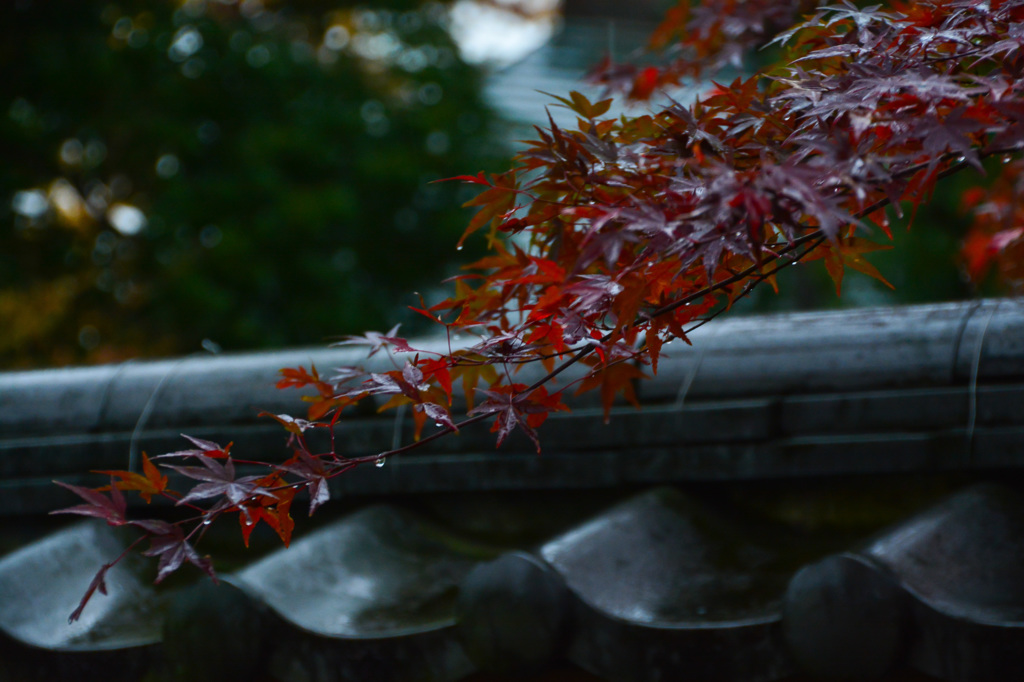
[[98, 582], [755, 271], [817, 237]]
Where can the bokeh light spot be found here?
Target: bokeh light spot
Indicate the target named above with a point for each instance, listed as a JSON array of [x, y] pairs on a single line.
[[167, 166], [126, 219], [30, 203]]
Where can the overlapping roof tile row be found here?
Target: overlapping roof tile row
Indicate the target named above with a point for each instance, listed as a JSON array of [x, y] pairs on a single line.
[[799, 496], [663, 585]]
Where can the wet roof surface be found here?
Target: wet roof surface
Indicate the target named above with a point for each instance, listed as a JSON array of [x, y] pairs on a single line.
[[822, 503], [662, 584]]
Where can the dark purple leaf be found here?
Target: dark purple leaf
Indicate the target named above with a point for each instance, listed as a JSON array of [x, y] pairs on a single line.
[[314, 472], [110, 509], [174, 550], [205, 448], [376, 341], [204, 445], [219, 480], [438, 413], [593, 293], [152, 526], [510, 411], [343, 375]]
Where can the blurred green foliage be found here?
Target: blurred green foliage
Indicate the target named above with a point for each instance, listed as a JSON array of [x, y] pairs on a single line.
[[257, 175]]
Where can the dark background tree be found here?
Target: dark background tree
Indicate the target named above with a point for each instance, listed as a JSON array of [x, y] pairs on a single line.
[[228, 171]]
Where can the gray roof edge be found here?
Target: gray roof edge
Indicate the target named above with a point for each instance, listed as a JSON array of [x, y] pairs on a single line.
[[933, 345], [929, 387]]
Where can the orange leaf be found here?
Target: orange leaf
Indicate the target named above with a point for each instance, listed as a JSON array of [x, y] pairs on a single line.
[[275, 512], [150, 482], [471, 374], [612, 379], [654, 344], [853, 250], [834, 266]]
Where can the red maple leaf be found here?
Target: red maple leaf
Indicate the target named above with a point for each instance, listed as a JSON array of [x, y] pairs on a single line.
[[275, 513]]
